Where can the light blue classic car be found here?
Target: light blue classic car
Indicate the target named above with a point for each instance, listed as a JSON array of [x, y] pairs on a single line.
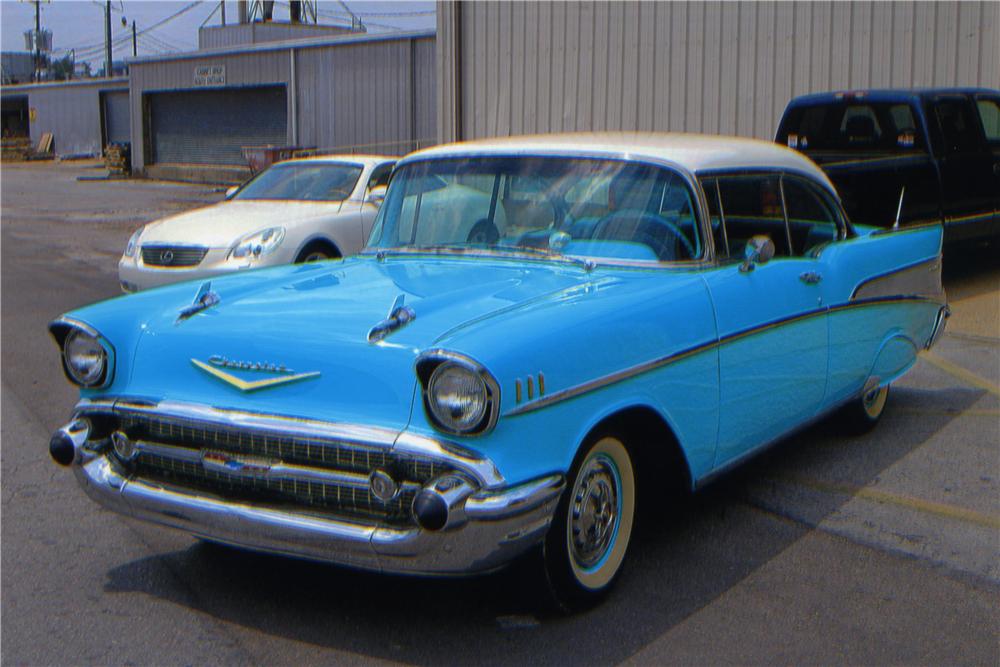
[[542, 333]]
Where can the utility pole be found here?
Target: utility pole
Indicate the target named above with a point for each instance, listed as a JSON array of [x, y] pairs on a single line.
[[38, 40], [107, 39], [222, 5], [135, 50]]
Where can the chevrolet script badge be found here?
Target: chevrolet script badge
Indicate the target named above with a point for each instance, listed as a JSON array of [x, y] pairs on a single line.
[[283, 376]]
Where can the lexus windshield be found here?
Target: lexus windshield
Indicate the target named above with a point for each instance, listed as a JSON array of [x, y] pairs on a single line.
[[304, 181], [590, 208]]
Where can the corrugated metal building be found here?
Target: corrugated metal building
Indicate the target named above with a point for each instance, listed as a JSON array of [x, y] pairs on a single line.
[[717, 67], [223, 36], [354, 93], [81, 115]]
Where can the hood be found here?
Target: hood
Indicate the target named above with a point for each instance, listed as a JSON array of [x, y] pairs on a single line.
[[219, 226], [316, 319]]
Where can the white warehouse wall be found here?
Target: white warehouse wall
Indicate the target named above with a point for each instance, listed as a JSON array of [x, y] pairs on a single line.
[[729, 68]]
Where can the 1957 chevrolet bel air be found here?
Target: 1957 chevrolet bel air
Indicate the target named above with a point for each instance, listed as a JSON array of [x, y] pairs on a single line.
[[540, 329]]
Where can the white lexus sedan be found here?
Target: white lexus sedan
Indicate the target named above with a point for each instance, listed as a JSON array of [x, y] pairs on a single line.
[[300, 210]]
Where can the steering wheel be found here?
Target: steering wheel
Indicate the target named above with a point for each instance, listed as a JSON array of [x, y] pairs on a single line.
[[646, 228], [483, 232]]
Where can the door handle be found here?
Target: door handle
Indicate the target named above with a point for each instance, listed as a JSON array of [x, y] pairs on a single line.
[[810, 277]]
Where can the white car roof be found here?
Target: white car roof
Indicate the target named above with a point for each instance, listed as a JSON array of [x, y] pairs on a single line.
[[693, 152], [367, 160]]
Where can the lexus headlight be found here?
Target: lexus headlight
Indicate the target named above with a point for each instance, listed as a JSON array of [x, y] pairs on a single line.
[[460, 396], [133, 243], [84, 358], [258, 244]]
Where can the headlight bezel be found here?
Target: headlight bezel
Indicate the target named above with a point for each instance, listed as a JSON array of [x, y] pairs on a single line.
[[64, 331], [132, 247], [247, 244], [433, 364]]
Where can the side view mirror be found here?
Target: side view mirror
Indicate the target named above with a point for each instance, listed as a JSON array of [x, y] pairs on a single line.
[[759, 250], [231, 191], [376, 196]]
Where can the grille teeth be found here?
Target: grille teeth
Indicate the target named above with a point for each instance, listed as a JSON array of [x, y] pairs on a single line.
[[165, 255], [341, 500]]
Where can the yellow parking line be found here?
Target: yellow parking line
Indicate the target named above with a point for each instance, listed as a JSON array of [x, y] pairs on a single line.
[[961, 373], [926, 506], [945, 413]]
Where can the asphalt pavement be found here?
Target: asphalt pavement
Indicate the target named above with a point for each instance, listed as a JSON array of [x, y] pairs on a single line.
[[882, 549]]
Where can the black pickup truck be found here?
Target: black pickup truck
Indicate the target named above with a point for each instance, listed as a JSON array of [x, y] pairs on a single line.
[[906, 156]]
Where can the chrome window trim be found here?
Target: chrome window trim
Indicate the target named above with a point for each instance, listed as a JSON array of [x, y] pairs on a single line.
[[844, 228]]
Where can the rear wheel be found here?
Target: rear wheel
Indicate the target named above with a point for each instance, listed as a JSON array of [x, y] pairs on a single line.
[[863, 413], [586, 545]]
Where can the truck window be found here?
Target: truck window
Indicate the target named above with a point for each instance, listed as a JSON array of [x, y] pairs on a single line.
[[958, 130], [989, 114], [852, 126]]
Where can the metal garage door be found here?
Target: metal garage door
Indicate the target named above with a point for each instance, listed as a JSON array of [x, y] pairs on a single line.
[[212, 126], [116, 118]]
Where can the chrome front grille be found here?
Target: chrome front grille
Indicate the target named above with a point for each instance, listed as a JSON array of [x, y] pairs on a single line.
[[168, 255], [337, 485]]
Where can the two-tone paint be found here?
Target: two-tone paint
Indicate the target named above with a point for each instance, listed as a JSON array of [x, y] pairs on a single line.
[[728, 360]]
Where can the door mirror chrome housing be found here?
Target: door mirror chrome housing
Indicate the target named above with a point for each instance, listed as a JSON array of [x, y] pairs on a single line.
[[232, 191], [759, 250]]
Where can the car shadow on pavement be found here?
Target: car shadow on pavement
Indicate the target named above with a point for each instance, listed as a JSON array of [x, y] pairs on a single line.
[[682, 559]]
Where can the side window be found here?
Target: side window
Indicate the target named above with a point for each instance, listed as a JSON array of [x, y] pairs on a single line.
[[380, 175], [751, 206], [989, 114], [715, 218], [958, 130], [811, 221]]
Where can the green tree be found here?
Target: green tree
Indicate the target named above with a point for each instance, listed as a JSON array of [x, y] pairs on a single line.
[[62, 69]]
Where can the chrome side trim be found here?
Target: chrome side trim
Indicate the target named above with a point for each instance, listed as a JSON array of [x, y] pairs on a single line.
[[478, 467], [920, 279], [604, 381], [645, 367]]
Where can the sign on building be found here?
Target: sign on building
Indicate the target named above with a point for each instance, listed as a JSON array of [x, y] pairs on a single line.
[[210, 75]]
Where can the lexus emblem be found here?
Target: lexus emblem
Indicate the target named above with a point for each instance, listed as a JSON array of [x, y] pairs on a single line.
[[167, 256]]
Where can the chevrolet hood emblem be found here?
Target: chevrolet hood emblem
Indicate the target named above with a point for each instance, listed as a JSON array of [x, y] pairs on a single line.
[[250, 385]]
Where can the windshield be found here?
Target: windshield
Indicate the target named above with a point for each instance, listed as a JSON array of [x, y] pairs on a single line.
[[305, 181], [591, 208]]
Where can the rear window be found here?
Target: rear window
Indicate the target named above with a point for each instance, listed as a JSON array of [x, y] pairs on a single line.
[[852, 125]]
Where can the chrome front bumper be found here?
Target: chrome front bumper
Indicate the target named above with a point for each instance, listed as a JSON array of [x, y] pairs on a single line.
[[488, 529]]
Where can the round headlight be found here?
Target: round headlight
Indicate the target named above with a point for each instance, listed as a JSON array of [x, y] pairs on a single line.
[[85, 358], [457, 397]]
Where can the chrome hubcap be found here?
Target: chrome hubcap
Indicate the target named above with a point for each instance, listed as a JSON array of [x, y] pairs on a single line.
[[874, 400], [594, 511]]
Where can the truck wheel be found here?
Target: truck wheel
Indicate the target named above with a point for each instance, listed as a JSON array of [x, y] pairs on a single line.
[[586, 544]]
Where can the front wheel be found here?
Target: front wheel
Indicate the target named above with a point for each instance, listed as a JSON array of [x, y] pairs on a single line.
[[586, 545]]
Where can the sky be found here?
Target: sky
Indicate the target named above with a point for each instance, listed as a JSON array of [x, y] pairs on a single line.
[[78, 25]]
